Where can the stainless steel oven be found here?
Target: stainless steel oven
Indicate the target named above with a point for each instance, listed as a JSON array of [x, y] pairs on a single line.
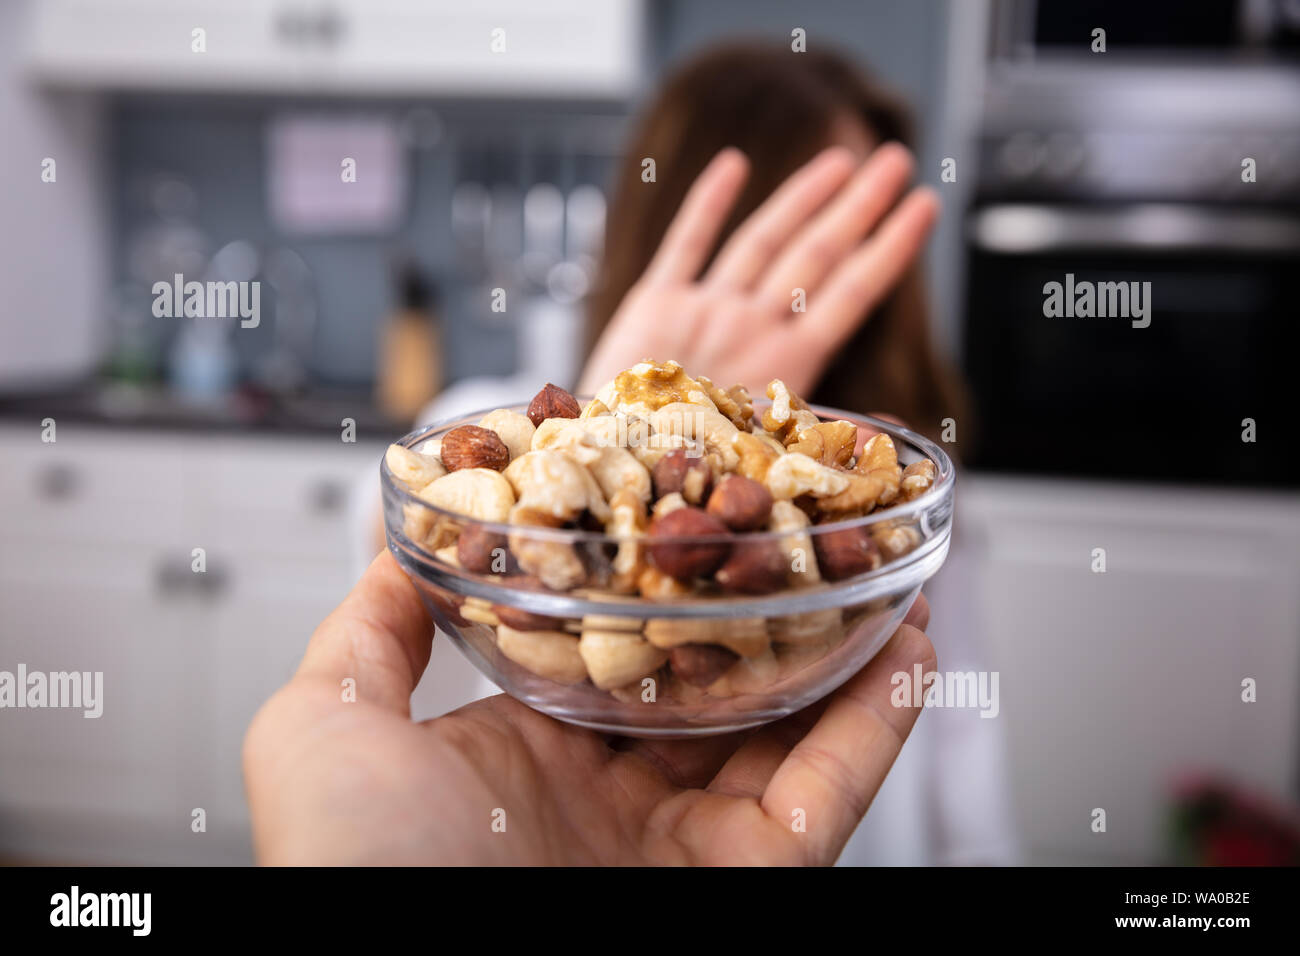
[[1175, 165]]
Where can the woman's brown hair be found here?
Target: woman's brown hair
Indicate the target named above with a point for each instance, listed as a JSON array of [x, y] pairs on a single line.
[[779, 108]]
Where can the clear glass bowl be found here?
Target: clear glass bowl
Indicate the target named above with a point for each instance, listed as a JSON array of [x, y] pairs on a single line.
[[800, 643]]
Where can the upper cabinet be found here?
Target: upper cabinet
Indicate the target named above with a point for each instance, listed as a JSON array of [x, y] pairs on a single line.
[[560, 49]]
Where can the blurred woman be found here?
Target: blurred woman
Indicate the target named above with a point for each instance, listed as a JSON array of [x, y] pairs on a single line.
[[781, 110]]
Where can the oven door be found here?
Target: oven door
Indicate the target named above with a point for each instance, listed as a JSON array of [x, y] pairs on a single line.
[[1100, 397]]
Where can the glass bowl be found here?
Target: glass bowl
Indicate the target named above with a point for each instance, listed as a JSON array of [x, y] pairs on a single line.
[[790, 647]]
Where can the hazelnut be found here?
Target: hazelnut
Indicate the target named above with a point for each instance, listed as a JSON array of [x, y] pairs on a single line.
[[684, 559], [741, 503], [522, 620], [754, 567], [691, 477], [843, 554], [484, 552], [470, 446], [701, 664], [552, 402], [447, 605]]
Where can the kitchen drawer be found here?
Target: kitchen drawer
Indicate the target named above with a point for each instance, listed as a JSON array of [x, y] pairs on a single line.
[[260, 630], [130, 759], [92, 484], [1115, 684], [284, 498]]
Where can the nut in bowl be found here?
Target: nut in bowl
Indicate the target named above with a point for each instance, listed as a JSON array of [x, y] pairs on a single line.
[[664, 559]]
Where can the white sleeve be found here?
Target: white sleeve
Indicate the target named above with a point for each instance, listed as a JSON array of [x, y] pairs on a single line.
[[968, 784], [472, 394]]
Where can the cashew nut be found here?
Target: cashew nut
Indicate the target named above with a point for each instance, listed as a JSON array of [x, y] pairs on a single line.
[[412, 468], [514, 429], [819, 628], [628, 523], [617, 658], [568, 434], [417, 523], [479, 611], [552, 483], [555, 563], [746, 636], [474, 492], [597, 443], [705, 425], [792, 522], [550, 654]]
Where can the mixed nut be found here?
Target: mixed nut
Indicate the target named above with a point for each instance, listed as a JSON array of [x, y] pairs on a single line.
[[682, 477]]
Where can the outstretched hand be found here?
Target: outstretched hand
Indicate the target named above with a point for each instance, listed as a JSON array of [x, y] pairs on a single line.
[[834, 238]]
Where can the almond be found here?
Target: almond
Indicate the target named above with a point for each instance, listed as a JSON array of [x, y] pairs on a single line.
[[553, 402], [470, 446]]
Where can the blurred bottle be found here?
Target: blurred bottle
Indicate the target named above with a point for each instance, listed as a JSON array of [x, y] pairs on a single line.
[[202, 363], [410, 372]]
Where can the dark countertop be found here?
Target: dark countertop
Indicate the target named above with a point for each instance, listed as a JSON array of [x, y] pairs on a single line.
[[151, 408]]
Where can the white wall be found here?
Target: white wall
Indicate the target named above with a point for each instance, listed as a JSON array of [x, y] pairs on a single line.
[[52, 247]]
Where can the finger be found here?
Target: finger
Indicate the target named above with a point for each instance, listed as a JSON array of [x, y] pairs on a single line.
[[760, 238], [748, 772], [834, 772], [835, 231], [694, 230], [380, 636], [750, 769], [918, 615], [859, 283]]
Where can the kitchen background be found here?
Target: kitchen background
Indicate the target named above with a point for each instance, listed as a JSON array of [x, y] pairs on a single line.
[[1120, 690]]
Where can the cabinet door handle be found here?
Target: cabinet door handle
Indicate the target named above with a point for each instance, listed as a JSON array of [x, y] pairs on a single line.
[[326, 497], [57, 482], [212, 583], [175, 577], [171, 576]]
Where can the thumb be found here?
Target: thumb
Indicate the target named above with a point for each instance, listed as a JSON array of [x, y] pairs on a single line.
[[380, 636]]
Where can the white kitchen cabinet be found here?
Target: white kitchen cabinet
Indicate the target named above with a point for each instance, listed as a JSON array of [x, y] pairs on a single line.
[[96, 575], [563, 48], [1113, 684]]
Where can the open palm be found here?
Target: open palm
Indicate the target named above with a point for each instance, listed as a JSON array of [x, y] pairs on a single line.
[[333, 781], [788, 287]]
